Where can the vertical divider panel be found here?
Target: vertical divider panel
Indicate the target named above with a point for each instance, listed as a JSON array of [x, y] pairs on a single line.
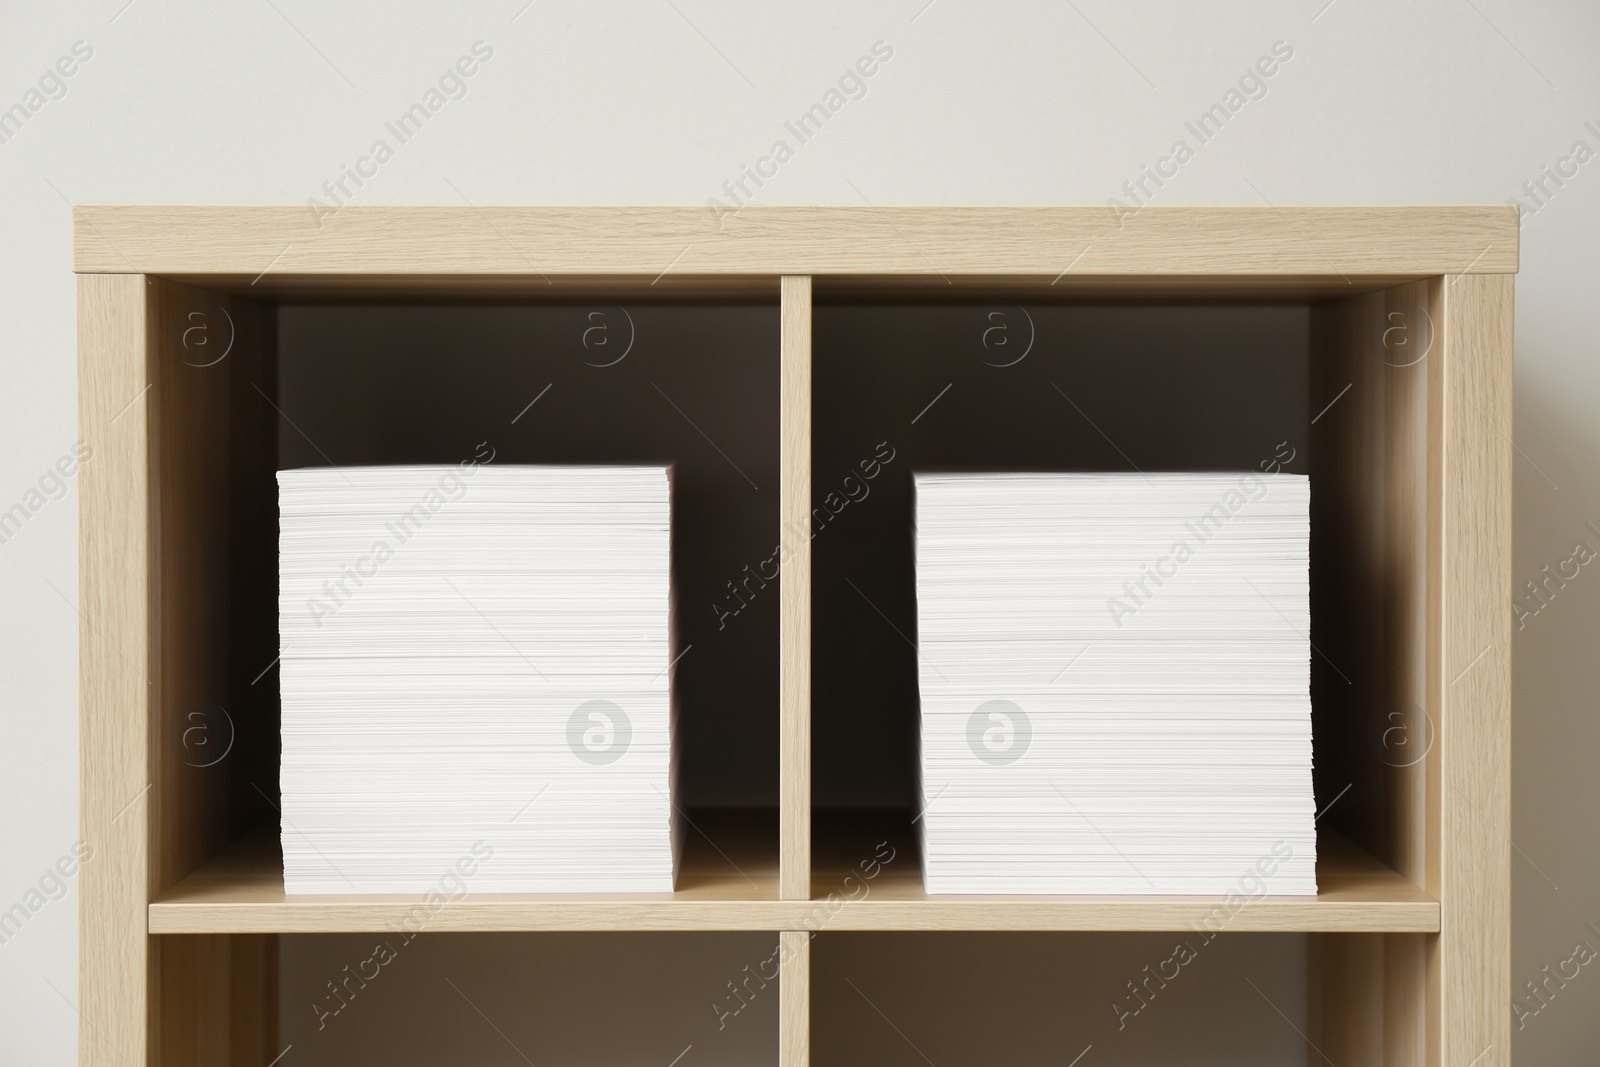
[[794, 668], [1473, 966], [1370, 499], [794, 996], [114, 665]]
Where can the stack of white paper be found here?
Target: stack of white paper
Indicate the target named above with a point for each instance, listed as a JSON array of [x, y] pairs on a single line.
[[475, 679], [1115, 683]]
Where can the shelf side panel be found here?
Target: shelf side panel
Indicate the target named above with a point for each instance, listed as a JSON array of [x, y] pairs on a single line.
[[114, 667], [794, 670], [1474, 959]]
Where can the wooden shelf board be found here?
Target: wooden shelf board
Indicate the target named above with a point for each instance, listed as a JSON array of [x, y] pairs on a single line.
[[1357, 893], [733, 885]]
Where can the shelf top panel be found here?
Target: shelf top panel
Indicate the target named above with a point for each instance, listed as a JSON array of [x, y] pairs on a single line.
[[291, 247], [732, 885]]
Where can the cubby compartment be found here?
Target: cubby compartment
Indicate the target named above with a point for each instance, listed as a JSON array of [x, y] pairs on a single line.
[[1185, 997], [405, 996], [248, 387], [1337, 390]]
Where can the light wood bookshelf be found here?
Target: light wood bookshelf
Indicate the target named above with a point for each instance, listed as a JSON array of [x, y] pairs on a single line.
[[183, 901]]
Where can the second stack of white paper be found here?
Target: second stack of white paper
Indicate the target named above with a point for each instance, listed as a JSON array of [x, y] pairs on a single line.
[[1115, 683]]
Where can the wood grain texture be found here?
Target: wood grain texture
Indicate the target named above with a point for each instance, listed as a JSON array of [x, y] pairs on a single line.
[[550, 242], [114, 692], [794, 999], [794, 625], [1474, 962]]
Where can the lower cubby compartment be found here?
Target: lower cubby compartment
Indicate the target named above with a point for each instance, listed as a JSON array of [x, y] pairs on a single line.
[[426, 998], [1101, 999]]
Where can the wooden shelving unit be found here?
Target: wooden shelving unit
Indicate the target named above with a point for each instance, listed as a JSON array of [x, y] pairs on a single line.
[[182, 336]]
